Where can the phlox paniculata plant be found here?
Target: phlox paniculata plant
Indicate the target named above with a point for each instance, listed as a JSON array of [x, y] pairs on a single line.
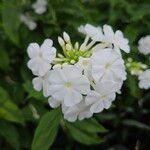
[[85, 78]]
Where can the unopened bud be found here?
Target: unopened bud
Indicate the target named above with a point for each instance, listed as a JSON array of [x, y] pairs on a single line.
[[64, 64], [66, 37], [76, 46], [68, 47], [57, 66], [72, 61], [60, 55], [61, 41]]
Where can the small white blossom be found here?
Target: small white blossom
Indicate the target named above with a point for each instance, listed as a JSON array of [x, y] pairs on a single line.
[[69, 84], [40, 6], [102, 96], [43, 82], [117, 39], [95, 33], [41, 57], [106, 65], [28, 21], [144, 79], [144, 45], [79, 111]]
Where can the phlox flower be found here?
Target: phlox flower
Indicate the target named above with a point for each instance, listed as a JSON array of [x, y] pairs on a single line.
[[28, 21], [79, 111], [117, 39], [102, 96], [41, 57], [68, 84], [107, 64], [40, 6], [144, 79], [144, 45]]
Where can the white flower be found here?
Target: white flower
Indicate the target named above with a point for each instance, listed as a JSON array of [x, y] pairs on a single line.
[[69, 84], [40, 6], [40, 83], [79, 111], [28, 21], [85, 65], [93, 32], [54, 103], [41, 57], [144, 79], [107, 65], [144, 45], [102, 96], [117, 39]]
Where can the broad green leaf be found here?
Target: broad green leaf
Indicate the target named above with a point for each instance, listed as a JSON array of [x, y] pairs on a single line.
[[9, 110], [90, 125], [9, 132], [11, 19], [46, 130], [85, 131]]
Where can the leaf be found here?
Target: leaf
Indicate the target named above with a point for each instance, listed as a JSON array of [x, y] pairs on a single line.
[[90, 125], [4, 61], [11, 20], [9, 110], [85, 131], [46, 130], [9, 132], [136, 124]]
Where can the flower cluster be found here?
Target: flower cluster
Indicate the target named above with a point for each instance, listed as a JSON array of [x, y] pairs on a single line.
[[83, 79], [139, 69]]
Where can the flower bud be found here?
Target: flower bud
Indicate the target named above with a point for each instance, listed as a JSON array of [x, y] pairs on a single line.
[[57, 66], [76, 46], [72, 61], [68, 47], [64, 64], [60, 55], [66, 37], [61, 41]]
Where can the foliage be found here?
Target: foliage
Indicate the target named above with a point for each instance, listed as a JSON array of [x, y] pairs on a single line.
[[26, 121]]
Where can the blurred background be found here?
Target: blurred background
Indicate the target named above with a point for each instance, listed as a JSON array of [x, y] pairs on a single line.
[[127, 121]]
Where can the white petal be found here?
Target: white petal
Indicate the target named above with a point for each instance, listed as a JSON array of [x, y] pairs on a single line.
[[72, 98], [81, 84], [33, 50], [53, 102], [37, 83], [97, 107], [108, 32]]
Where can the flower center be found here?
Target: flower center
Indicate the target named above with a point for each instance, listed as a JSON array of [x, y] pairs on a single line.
[[107, 66], [68, 84]]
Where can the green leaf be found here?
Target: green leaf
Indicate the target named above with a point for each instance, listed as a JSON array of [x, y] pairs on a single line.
[[90, 125], [136, 124], [11, 19], [4, 61], [85, 131], [9, 110], [46, 130], [9, 132]]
